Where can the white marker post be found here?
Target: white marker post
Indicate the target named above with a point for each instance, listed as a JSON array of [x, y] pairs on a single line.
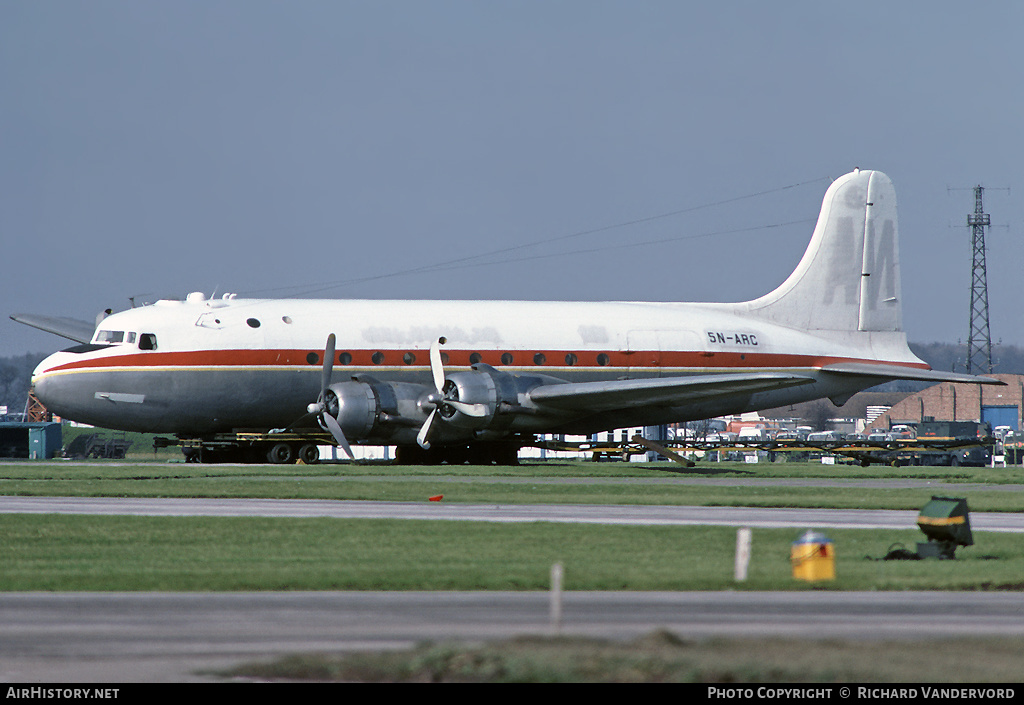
[[556, 598], [743, 538]]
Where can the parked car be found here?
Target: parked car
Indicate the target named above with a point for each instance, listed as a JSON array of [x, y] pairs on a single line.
[[825, 436]]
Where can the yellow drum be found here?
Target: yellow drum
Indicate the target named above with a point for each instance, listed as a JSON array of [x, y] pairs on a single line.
[[813, 557]]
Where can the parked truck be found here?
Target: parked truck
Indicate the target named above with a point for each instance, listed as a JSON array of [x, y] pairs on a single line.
[[952, 443]]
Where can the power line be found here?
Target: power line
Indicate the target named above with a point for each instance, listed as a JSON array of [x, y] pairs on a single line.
[[474, 260]]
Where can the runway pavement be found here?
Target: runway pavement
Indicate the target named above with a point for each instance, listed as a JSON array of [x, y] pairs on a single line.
[[147, 637], [564, 513]]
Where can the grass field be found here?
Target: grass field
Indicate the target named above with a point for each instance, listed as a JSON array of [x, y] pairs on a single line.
[[193, 553], [75, 553], [72, 553]]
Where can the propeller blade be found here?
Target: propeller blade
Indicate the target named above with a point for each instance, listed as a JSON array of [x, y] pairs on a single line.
[[325, 381], [436, 367], [335, 428], [477, 410], [421, 437]]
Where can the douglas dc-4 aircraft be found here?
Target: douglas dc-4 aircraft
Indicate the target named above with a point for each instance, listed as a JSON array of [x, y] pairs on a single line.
[[451, 380]]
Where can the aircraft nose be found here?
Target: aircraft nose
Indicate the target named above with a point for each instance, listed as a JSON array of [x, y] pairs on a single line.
[[47, 365], [47, 382], [42, 368]]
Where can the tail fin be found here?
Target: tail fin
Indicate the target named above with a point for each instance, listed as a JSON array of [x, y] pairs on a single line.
[[849, 277]]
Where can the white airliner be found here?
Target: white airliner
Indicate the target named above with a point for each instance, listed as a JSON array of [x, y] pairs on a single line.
[[450, 380]]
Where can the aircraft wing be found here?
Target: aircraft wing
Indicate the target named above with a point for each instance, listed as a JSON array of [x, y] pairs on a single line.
[[888, 372], [664, 391], [70, 328]]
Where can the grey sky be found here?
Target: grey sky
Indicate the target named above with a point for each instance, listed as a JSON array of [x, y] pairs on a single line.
[[150, 149]]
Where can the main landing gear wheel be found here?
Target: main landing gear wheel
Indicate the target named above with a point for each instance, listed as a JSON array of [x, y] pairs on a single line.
[[281, 454], [309, 454]]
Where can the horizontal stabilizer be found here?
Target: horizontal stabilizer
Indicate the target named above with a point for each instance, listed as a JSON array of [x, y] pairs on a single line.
[[70, 328], [665, 391], [861, 369]]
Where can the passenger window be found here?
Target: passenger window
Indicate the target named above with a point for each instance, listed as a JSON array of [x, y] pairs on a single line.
[[147, 341]]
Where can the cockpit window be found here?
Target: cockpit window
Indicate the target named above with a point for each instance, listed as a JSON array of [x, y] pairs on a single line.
[[110, 336], [147, 341]]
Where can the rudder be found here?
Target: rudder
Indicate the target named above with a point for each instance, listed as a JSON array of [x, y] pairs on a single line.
[[849, 276]]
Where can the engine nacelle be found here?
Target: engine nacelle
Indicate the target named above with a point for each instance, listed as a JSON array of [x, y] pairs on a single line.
[[477, 404], [356, 406], [492, 393], [366, 407]]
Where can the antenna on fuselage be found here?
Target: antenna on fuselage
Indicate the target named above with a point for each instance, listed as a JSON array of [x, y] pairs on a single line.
[[131, 299]]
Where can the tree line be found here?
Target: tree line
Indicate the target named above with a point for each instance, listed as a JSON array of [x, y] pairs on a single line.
[[15, 377]]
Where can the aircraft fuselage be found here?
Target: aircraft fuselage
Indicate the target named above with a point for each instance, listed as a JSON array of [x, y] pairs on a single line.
[[216, 365]]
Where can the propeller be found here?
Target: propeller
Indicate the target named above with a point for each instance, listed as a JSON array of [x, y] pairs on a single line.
[[439, 398], [320, 407]]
